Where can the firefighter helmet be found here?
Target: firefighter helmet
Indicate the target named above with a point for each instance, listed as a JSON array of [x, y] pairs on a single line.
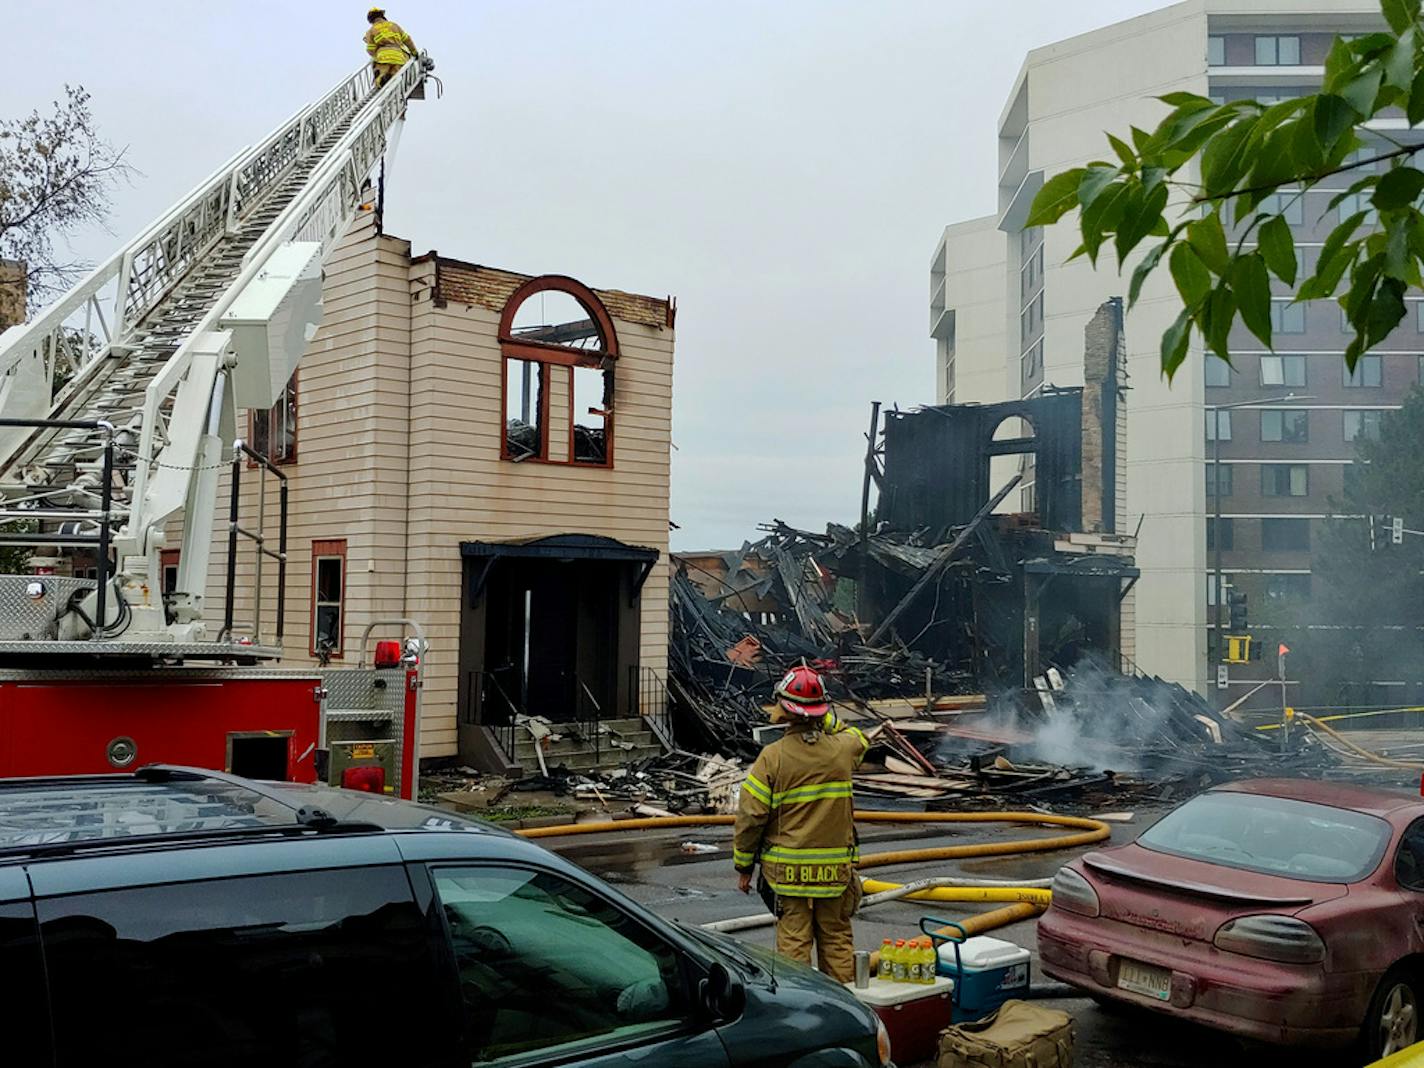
[[375, 13], [802, 693]]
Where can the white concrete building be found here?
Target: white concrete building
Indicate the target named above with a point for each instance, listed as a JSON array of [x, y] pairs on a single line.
[[1008, 312]]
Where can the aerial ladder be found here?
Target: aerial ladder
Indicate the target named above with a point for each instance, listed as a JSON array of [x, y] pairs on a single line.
[[118, 402], [118, 415]]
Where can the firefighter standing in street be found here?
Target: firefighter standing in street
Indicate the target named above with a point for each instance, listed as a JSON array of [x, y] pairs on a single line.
[[388, 45], [796, 815]]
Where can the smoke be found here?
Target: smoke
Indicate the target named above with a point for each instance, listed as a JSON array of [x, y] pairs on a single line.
[[1107, 721]]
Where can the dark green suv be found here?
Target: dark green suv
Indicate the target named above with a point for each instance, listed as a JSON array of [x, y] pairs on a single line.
[[184, 917]]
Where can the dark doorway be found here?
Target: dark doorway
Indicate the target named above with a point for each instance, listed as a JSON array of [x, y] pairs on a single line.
[[550, 628], [551, 637]]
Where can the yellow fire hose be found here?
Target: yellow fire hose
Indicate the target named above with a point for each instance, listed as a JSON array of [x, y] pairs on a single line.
[[1027, 902], [1359, 750]]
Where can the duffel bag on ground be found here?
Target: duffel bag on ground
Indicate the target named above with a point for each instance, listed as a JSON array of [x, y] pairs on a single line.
[[1018, 1035]]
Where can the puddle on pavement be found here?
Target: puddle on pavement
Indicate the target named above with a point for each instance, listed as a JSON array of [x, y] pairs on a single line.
[[627, 859]]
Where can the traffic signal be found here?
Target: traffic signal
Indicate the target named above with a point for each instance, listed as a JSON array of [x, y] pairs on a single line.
[[1386, 530], [1236, 607]]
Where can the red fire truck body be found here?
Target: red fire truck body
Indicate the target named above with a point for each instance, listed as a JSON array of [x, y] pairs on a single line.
[[356, 727]]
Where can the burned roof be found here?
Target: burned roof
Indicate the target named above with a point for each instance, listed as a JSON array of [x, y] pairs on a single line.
[[490, 287]]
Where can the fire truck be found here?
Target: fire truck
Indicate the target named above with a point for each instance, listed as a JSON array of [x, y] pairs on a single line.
[[118, 419]]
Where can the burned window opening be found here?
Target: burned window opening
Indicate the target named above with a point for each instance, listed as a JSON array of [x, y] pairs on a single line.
[[272, 432], [526, 431], [551, 323], [592, 398]]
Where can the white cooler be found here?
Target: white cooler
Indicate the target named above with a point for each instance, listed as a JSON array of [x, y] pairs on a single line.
[[987, 972]]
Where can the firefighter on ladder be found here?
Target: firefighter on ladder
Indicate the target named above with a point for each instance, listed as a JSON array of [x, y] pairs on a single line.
[[388, 45], [796, 816]]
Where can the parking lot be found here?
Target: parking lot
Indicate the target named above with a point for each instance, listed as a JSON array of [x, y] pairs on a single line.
[[701, 888]]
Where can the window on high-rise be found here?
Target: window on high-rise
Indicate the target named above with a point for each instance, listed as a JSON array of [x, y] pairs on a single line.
[[1029, 239], [1285, 480], [1031, 275], [1282, 370], [1289, 204], [1368, 372], [1225, 528], [1216, 51], [1354, 204], [1287, 317], [1218, 425], [1362, 424], [1278, 51], [1288, 425], [1218, 371], [1031, 321], [1218, 476], [1285, 535], [1031, 365], [1350, 478], [1356, 160]]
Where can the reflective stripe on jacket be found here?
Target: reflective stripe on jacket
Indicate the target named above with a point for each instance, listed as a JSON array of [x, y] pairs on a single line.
[[796, 812], [388, 43]]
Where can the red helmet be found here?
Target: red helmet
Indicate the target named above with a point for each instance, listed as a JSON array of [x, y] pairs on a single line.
[[802, 693]]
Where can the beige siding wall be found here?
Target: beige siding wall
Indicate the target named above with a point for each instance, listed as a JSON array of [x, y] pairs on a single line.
[[400, 417], [462, 491], [348, 481]]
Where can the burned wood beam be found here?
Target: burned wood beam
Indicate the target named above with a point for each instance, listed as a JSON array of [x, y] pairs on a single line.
[[562, 333], [933, 571], [871, 471], [812, 617]]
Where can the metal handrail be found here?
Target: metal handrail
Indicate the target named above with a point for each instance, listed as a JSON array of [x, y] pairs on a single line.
[[474, 705], [259, 538], [394, 621], [589, 725], [648, 700]]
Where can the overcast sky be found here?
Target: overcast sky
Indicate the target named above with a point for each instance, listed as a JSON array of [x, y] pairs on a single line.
[[783, 168]]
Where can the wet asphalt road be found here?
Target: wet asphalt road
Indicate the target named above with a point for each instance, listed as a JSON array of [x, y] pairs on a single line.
[[652, 869]]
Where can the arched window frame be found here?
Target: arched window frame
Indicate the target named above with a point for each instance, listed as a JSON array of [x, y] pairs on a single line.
[[551, 354]]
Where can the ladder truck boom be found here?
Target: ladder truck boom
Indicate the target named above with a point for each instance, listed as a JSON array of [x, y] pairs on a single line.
[[118, 402]]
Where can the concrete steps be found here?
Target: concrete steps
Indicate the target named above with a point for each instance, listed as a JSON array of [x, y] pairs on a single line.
[[621, 742]]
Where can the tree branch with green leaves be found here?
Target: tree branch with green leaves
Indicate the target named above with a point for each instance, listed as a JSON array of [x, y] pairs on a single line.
[[1200, 181]]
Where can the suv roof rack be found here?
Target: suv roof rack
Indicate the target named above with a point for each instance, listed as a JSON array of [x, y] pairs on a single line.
[[306, 819], [305, 815]]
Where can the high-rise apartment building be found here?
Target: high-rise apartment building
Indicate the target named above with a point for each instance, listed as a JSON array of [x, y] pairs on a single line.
[[1007, 311]]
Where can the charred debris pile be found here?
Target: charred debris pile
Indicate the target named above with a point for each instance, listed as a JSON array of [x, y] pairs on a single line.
[[982, 646], [950, 713]]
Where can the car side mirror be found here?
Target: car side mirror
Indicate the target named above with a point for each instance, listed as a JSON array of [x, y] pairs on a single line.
[[723, 995]]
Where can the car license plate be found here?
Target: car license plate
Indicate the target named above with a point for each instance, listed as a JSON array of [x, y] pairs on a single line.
[[1144, 979]]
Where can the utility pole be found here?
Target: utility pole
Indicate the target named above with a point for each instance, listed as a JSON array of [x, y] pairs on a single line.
[[1218, 635], [1286, 714]]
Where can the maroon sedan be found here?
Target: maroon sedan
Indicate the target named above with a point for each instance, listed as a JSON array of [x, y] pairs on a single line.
[[1285, 911]]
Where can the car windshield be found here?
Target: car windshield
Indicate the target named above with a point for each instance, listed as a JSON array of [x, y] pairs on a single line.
[[1273, 835]]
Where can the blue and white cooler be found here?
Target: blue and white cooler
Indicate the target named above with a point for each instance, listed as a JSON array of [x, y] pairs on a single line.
[[986, 971]]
